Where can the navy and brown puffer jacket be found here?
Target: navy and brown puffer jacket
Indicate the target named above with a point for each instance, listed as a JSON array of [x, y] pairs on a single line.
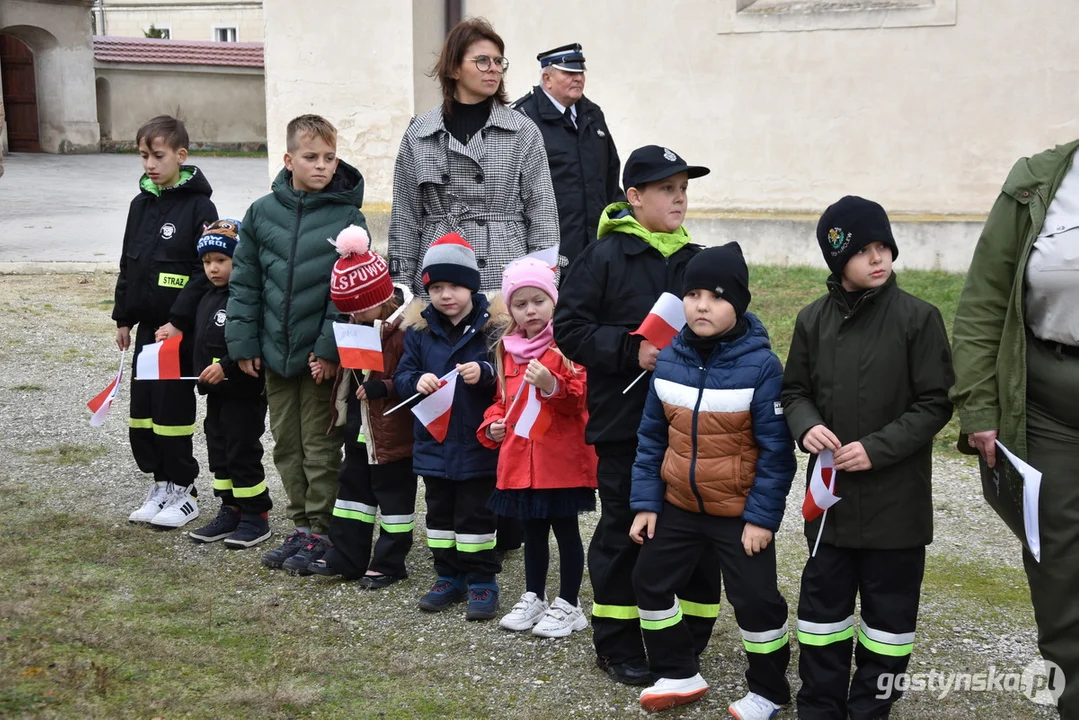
[[713, 438]]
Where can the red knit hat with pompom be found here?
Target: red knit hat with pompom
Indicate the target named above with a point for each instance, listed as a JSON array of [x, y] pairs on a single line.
[[361, 278]]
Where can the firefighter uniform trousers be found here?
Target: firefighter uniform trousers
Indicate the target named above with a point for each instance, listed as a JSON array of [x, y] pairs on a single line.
[[364, 488], [162, 418], [612, 555], [666, 563], [234, 428], [889, 584], [461, 530]]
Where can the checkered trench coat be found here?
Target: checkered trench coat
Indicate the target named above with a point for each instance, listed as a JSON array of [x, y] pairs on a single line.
[[495, 192]]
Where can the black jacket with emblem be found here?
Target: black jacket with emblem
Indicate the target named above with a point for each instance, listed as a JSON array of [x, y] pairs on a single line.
[[603, 299], [879, 374], [208, 325], [584, 166], [160, 272]]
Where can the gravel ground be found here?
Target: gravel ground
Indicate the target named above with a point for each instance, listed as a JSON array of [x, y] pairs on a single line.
[[56, 352]]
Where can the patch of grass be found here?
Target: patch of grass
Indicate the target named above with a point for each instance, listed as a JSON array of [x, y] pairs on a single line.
[[66, 454], [28, 387]]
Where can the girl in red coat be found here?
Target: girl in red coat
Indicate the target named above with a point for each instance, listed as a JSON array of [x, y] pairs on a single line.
[[546, 472]]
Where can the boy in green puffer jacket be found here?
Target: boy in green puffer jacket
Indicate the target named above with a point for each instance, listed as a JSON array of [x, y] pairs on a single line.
[[280, 319]]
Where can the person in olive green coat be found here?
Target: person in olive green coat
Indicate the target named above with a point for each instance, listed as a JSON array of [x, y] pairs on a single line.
[[280, 318], [1016, 343], [867, 380]]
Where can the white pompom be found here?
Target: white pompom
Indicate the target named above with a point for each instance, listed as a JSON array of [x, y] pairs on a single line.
[[353, 240]]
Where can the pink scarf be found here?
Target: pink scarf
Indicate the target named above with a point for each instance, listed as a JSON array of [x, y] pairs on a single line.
[[523, 349]]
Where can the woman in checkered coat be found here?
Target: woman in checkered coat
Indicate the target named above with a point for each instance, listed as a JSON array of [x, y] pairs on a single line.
[[471, 166]]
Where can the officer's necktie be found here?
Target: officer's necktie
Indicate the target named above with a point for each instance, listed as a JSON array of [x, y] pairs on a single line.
[[568, 114]]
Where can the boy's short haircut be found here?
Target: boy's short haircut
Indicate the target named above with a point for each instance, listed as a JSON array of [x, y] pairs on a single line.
[[313, 125], [165, 128]]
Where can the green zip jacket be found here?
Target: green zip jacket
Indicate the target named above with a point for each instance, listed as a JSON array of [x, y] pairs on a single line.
[[279, 293], [989, 337], [877, 373]]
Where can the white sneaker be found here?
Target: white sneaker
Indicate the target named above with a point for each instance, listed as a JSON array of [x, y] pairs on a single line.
[[671, 692], [151, 506], [560, 620], [526, 613], [753, 707], [179, 508]]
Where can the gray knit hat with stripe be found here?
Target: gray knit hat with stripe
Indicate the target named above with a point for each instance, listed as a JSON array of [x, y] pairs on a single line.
[[451, 259]]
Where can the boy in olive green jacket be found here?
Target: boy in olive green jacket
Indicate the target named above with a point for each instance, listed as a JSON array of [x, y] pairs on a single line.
[[867, 380], [280, 319]]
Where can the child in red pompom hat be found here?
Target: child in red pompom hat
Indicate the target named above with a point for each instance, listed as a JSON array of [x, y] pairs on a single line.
[[376, 477]]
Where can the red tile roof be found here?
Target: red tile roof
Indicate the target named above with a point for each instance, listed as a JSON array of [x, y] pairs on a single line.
[[108, 48]]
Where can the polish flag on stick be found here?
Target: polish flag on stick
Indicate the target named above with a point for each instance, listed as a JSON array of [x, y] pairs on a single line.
[[359, 346], [161, 361], [665, 320], [546, 255], [434, 410], [821, 493], [531, 418], [101, 403]]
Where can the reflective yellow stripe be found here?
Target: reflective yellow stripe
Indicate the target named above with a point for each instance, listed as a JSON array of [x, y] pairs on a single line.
[[893, 649], [354, 510], [615, 612], [171, 280], [441, 538], [248, 492], [660, 619], [764, 642], [472, 543], [222, 484], [398, 523], [702, 610], [360, 438], [212, 361], [173, 430], [140, 423]]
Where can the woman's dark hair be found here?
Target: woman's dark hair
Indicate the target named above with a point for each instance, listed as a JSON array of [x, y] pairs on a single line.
[[458, 41]]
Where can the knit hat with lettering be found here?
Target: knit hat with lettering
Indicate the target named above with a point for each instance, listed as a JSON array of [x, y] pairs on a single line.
[[360, 279], [849, 225], [528, 272], [220, 236], [450, 259]]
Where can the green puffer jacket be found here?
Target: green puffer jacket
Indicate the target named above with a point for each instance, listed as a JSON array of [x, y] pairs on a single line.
[[279, 293], [877, 373], [989, 337]]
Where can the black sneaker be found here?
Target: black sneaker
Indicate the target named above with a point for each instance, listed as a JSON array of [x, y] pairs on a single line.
[[292, 545], [252, 530], [378, 582], [223, 524], [315, 548]]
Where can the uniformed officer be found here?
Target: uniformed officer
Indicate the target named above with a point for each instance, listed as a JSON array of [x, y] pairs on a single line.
[[580, 150]]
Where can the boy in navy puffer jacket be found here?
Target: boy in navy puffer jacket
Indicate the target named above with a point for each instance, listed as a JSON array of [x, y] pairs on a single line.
[[714, 465], [455, 332]]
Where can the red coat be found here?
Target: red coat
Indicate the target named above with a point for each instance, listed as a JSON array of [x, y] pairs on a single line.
[[559, 458]]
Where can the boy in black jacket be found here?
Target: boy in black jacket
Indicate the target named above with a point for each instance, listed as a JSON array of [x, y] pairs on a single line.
[[160, 279], [235, 405], [642, 252], [867, 379]]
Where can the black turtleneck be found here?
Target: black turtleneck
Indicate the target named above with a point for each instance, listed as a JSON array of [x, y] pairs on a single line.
[[853, 296], [705, 346], [464, 121]]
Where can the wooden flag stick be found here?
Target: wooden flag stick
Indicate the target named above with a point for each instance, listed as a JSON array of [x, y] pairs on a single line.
[[635, 381]]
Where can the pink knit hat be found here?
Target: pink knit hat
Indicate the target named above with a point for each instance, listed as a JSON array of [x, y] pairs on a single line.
[[528, 272]]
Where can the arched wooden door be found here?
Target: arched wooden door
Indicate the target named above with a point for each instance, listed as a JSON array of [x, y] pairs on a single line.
[[20, 94]]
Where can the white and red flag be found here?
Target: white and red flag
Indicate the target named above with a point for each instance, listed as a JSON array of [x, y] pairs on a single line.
[[359, 346], [549, 256], [101, 402], [821, 492], [160, 361], [531, 418], [434, 410], [665, 320]]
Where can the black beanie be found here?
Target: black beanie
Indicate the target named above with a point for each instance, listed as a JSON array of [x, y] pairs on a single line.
[[723, 271], [848, 226]]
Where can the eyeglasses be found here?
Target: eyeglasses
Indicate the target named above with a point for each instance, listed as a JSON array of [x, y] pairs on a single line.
[[483, 63]]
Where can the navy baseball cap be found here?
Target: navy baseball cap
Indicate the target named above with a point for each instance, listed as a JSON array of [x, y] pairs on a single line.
[[652, 162]]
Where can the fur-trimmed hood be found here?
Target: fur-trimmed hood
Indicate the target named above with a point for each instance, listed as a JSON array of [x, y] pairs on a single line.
[[414, 316]]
